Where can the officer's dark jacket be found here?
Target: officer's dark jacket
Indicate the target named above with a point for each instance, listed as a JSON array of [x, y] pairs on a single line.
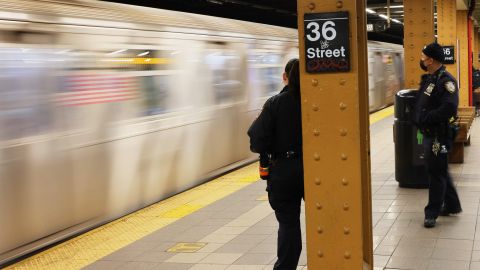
[[278, 128], [436, 105]]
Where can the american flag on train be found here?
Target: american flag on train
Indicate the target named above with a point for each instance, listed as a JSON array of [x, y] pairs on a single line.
[[96, 89]]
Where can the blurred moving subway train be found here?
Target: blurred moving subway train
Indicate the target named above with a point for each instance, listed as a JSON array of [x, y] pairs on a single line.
[[107, 108]]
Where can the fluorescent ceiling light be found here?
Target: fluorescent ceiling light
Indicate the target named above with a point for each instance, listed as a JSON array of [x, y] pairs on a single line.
[[397, 21], [370, 11], [383, 16], [397, 6]]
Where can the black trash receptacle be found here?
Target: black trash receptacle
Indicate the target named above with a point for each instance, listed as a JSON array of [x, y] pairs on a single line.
[[410, 170]]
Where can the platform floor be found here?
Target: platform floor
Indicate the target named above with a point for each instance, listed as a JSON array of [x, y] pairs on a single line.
[[235, 228]]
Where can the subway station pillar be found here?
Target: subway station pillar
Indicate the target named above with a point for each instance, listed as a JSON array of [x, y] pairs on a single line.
[[418, 32], [475, 48], [476, 57], [447, 29], [462, 59], [335, 123]]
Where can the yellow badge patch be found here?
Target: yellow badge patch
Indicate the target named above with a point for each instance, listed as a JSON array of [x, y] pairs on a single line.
[[450, 86]]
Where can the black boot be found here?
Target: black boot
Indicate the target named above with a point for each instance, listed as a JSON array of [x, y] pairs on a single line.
[[445, 212], [429, 222]]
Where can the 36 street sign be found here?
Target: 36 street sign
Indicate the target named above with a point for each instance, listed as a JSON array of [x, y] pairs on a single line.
[[449, 52], [327, 42]]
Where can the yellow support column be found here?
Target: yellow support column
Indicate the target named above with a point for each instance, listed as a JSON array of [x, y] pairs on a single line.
[[462, 59], [475, 47], [447, 28], [418, 32], [335, 135]]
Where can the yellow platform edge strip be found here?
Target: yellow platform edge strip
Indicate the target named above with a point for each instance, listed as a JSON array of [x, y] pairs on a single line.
[[380, 115], [88, 248]]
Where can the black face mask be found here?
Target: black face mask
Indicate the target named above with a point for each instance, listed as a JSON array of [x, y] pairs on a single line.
[[422, 66]]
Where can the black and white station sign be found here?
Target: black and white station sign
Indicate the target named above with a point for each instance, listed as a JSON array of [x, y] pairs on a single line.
[[327, 42], [449, 52]]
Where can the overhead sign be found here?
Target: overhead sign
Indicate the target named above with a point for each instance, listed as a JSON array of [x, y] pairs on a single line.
[[327, 43], [449, 52]]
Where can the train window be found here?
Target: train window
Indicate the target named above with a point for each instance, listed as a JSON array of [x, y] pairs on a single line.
[[153, 86], [120, 59], [136, 59], [26, 79], [387, 59], [271, 80], [146, 65], [155, 94], [224, 74], [118, 76], [268, 67]]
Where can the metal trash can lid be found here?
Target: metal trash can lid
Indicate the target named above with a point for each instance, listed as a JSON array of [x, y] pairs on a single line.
[[407, 93], [404, 104]]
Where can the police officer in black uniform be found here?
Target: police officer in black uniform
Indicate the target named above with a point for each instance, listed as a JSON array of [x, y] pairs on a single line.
[[265, 158], [436, 106], [278, 130]]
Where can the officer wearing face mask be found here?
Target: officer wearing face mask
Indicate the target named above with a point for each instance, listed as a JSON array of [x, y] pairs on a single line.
[[436, 106]]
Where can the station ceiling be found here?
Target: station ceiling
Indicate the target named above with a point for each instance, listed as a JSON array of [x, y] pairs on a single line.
[[281, 13]]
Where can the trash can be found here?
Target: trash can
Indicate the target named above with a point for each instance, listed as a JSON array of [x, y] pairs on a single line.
[[410, 169]]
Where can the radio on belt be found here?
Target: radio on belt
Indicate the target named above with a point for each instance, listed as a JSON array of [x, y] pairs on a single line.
[[327, 42]]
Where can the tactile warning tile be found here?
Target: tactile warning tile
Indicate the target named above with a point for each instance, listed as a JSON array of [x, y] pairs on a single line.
[[95, 244], [187, 247]]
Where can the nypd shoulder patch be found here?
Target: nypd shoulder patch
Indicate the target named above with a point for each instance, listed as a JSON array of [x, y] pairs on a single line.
[[450, 86]]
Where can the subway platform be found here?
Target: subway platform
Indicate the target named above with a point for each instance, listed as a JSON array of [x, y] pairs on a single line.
[[228, 224]]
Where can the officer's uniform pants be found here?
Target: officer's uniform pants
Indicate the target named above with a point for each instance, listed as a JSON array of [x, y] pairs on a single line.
[[285, 193], [441, 190]]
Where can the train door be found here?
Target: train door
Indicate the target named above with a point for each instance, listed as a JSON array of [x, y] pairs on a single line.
[[377, 90], [33, 189], [392, 83], [398, 66], [222, 62], [265, 66]]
